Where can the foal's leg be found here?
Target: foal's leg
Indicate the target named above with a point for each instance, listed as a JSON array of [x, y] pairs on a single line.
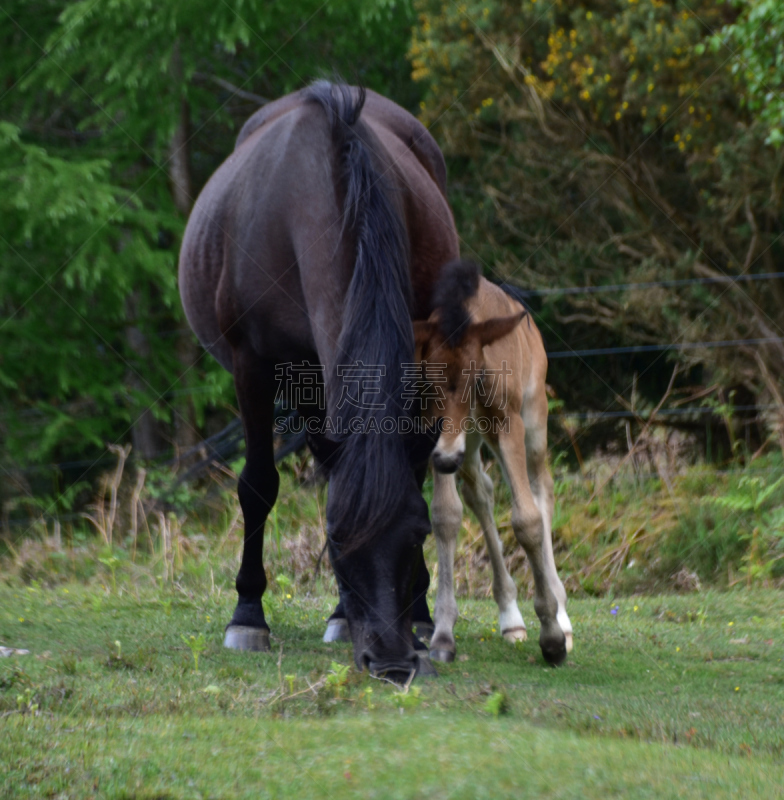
[[541, 482], [532, 528], [446, 514], [477, 491], [258, 489]]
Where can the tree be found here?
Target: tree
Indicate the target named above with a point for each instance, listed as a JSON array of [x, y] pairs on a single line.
[[607, 142], [114, 115]]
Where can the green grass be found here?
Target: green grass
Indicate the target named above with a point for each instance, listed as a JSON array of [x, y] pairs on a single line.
[[668, 700]]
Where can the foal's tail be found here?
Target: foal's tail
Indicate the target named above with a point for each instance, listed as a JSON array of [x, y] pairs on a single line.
[[376, 330]]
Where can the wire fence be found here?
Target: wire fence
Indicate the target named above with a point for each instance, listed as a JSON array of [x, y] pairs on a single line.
[[166, 459]]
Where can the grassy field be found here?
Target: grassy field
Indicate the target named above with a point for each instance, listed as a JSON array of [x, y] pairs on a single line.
[[664, 696]]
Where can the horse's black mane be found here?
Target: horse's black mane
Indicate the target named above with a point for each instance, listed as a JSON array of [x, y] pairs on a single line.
[[376, 326], [457, 284]]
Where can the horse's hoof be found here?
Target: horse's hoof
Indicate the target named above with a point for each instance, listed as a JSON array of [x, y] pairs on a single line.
[[424, 630], [337, 631], [516, 634], [241, 637], [425, 668], [569, 642], [442, 655]]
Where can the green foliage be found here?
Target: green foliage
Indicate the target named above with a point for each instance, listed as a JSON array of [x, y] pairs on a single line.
[[337, 679], [96, 96], [756, 36], [608, 143], [197, 645], [497, 704]]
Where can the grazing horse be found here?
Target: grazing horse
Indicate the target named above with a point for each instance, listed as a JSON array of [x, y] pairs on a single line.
[[318, 241], [482, 345]]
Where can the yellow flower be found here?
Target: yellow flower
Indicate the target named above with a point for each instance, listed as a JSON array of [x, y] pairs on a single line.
[[617, 115], [676, 138], [21, 619], [730, 624], [488, 101], [677, 649], [737, 688], [636, 607], [650, 87], [585, 94]]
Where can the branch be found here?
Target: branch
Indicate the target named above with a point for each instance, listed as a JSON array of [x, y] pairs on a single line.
[[230, 87]]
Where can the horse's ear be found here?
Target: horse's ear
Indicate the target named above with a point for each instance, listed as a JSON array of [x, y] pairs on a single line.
[[490, 330], [324, 450]]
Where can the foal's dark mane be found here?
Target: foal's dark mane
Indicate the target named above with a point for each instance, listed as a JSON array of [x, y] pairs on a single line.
[[457, 284], [376, 329]]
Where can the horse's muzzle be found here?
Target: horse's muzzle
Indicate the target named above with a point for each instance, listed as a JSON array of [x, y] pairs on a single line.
[[399, 671]]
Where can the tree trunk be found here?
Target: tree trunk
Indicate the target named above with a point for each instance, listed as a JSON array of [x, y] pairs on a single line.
[[146, 434], [186, 435]]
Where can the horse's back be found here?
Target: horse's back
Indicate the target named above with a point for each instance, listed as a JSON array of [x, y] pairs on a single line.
[[271, 202], [264, 258]]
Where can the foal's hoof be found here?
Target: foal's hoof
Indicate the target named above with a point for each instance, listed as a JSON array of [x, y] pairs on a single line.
[[516, 634], [569, 642], [337, 631], [442, 655], [241, 637], [555, 653]]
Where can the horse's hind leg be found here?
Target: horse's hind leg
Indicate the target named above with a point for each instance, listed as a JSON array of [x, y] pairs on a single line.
[[524, 451], [446, 513], [258, 489], [477, 491]]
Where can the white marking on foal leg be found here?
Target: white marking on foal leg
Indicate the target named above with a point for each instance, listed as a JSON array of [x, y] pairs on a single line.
[[566, 626]]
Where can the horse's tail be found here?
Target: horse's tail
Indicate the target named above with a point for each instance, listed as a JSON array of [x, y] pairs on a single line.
[[376, 328]]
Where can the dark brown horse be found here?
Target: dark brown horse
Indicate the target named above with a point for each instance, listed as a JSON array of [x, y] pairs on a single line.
[[317, 241]]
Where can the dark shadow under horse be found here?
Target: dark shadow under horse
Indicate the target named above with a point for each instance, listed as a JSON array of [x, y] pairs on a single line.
[[318, 241]]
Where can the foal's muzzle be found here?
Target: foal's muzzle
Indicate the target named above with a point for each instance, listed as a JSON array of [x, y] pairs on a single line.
[[447, 464]]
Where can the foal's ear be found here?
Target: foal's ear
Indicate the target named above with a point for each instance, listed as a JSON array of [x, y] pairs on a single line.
[[490, 330]]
